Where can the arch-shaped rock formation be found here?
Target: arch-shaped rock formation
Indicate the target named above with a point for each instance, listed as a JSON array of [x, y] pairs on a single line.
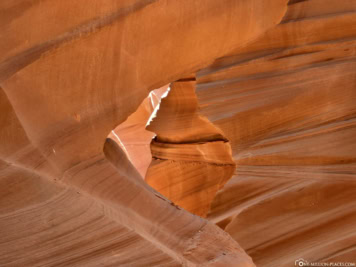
[[276, 77]]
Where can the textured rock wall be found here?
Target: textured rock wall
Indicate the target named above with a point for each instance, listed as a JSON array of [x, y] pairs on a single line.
[[287, 103], [275, 96]]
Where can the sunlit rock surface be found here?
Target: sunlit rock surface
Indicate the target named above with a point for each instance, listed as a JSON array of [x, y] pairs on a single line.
[[131, 135], [253, 156]]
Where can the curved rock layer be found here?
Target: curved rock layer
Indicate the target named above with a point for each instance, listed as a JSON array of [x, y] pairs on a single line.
[[77, 220], [287, 103], [276, 78], [70, 73], [191, 158], [51, 225]]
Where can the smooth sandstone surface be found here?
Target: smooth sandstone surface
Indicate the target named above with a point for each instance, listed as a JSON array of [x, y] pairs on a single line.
[[287, 102], [245, 155], [191, 158]]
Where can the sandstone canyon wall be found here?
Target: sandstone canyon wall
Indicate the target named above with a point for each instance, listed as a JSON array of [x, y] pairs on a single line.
[[177, 133]]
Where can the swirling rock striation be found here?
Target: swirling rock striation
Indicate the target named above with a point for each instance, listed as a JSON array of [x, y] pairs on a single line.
[[287, 102], [70, 73], [274, 97]]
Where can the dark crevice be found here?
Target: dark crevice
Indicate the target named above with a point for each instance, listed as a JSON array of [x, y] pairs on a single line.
[[292, 2]]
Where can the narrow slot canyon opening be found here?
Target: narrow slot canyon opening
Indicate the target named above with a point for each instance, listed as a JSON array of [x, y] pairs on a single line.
[[132, 136], [178, 152]]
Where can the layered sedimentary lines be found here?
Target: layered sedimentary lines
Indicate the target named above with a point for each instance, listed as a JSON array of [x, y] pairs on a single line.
[[72, 220], [71, 73], [191, 157], [287, 104], [54, 226], [275, 98]]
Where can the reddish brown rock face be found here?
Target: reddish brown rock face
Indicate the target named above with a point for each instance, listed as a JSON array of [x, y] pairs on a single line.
[[252, 161], [191, 158]]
